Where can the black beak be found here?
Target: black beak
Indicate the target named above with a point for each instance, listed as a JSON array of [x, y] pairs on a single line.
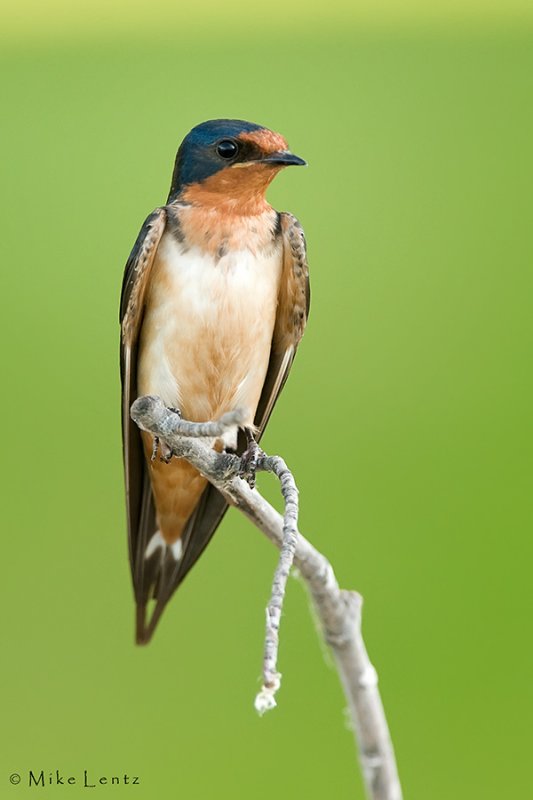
[[285, 159]]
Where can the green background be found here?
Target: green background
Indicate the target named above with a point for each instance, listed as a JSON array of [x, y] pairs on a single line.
[[406, 419]]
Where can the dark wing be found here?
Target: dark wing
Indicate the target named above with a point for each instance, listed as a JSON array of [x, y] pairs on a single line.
[[291, 319], [140, 507], [152, 577]]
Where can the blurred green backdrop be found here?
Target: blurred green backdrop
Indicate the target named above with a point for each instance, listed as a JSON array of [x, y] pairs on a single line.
[[417, 123]]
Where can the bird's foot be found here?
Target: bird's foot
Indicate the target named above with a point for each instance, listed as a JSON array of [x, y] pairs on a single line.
[[166, 451], [249, 459]]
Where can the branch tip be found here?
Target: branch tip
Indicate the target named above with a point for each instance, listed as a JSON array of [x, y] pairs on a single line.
[[265, 700], [145, 405]]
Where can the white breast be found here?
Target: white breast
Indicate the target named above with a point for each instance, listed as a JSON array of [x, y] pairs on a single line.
[[207, 330]]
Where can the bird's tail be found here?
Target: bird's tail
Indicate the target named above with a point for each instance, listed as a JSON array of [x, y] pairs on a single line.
[[160, 567], [157, 581]]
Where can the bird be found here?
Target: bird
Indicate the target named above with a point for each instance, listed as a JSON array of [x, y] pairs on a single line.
[[214, 302]]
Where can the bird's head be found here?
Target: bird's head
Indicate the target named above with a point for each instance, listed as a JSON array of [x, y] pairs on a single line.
[[229, 163]]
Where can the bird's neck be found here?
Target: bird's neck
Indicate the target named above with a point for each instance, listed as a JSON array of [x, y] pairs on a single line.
[[235, 192]]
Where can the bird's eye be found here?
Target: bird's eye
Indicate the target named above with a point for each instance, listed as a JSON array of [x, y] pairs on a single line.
[[227, 148]]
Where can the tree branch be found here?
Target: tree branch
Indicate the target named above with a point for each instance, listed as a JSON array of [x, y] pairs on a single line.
[[339, 611]]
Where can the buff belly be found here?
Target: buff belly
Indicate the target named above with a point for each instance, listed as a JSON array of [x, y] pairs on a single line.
[[204, 348]]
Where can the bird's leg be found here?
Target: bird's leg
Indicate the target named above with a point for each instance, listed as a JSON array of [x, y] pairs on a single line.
[[166, 451], [250, 458]]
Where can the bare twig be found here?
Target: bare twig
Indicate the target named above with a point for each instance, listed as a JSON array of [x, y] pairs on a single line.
[[339, 611], [265, 700]]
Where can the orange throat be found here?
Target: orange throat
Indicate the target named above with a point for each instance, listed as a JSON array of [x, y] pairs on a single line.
[[237, 191]]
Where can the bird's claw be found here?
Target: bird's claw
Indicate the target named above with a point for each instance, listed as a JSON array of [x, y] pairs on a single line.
[[249, 459], [166, 451]]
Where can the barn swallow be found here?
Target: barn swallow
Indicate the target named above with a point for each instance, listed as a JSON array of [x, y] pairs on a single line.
[[214, 302]]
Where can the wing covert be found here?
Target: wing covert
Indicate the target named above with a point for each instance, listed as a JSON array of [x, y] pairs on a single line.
[[291, 318]]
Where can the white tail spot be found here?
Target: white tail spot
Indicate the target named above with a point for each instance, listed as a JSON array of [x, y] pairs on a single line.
[[155, 542], [177, 549]]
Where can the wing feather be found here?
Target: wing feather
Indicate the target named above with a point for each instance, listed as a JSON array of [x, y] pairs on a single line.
[[293, 310], [139, 503]]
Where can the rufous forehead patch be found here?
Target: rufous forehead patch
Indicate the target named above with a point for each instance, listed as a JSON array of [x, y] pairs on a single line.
[[267, 141]]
